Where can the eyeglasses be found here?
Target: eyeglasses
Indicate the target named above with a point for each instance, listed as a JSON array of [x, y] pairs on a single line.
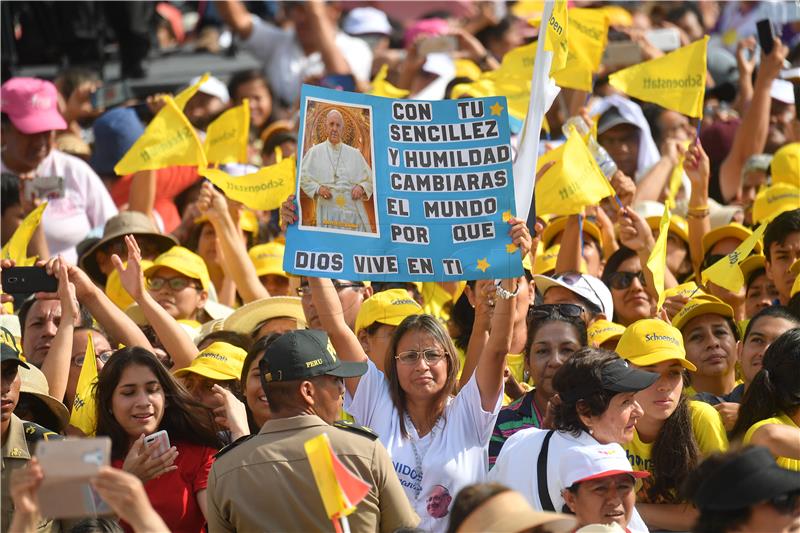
[[547, 311], [785, 503], [176, 284], [411, 357], [623, 280], [572, 279], [102, 357], [305, 290]]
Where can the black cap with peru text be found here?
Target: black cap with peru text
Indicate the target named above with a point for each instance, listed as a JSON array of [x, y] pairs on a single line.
[[304, 354]]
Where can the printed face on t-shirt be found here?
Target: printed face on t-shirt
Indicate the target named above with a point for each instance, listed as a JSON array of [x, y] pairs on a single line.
[[439, 502]]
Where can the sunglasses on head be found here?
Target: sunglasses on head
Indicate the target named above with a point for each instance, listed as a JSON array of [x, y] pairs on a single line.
[[623, 280], [547, 311]]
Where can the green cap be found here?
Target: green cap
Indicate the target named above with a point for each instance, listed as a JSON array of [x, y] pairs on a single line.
[[304, 354], [8, 348]]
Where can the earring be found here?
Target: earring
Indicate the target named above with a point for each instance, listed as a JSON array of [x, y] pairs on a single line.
[[591, 431]]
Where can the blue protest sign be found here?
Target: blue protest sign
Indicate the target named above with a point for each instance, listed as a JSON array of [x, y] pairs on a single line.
[[402, 190]]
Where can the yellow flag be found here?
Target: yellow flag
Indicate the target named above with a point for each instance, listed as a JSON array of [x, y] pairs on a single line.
[[381, 87], [339, 488], [263, 190], [16, 248], [555, 37], [185, 95], [84, 407], [574, 182], [676, 81], [657, 262], [588, 36], [617, 16], [726, 272], [169, 140], [227, 136]]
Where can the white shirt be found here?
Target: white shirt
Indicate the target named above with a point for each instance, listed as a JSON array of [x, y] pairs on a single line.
[[287, 65], [516, 467], [453, 454], [340, 168], [86, 203]]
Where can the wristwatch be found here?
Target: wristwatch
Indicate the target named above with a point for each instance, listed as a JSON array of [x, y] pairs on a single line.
[[504, 294]]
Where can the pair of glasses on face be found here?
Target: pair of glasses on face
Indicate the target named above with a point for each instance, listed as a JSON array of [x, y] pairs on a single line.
[[412, 357], [547, 311], [305, 290], [102, 357], [176, 284], [623, 280]]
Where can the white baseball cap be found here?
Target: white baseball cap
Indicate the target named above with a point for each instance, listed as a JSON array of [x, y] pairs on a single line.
[[596, 461], [782, 90], [213, 87], [583, 285], [367, 21]]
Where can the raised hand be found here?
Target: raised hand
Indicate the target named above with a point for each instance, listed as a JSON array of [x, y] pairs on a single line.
[[131, 275], [288, 212]]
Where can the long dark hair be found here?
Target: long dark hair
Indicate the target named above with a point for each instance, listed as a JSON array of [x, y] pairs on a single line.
[[431, 325], [775, 387], [534, 325], [184, 418], [257, 350], [674, 456]]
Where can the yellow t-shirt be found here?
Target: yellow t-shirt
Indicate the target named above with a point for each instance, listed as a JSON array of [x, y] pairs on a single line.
[[515, 363], [781, 419], [709, 432], [436, 299]]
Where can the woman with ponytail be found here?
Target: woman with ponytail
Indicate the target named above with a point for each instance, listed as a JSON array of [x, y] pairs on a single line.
[[674, 432], [770, 412]]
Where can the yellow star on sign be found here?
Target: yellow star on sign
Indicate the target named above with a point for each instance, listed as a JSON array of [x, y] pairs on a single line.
[[483, 264], [340, 201], [506, 216], [497, 109], [511, 248]]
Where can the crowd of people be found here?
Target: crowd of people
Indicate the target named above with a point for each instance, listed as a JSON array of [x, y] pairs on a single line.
[[566, 399]]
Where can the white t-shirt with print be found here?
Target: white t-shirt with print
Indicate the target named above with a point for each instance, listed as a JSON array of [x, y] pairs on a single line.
[[516, 467], [452, 455]]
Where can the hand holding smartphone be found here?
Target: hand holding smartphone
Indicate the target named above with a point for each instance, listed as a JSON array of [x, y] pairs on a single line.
[[159, 441], [28, 280]]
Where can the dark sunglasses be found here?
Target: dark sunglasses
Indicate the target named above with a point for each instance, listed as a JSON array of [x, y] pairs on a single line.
[[623, 280], [548, 311]]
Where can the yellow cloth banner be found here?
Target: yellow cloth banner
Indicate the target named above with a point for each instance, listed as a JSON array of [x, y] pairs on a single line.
[[676, 81], [227, 136], [84, 407], [169, 140], [381, 87], [320, 457], [657, 262], [16, 248], [726, 272], [555, 36], [185, 95], [263, 190], [574, 182], [588, 36]]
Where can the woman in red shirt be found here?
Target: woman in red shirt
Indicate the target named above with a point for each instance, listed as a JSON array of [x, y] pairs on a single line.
[[136, 396]]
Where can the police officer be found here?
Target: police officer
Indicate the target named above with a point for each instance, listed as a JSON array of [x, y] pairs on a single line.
[[19, 437], [264, 482]]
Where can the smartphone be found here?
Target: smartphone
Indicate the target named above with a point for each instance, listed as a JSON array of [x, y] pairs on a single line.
[[665, 39], [622, 54], [110, 94], [28, 280], [68, 465], [439, 44], [44, 187], [161, 440], [339, 82], [766, 34]]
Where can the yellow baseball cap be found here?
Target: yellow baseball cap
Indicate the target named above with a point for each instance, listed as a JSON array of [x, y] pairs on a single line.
[[734, 230], [774, 200], [268, 258], [785, 166], [182, 260], [751, 264], [219, 361], [677, 225], [387, 307], [247, 221], [114, 290], [557, 225], [602, 331], [701, 305], [689, 289], [650, 341], [546, 261]]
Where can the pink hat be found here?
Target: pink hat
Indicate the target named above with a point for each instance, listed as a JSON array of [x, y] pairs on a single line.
[[32, 105]]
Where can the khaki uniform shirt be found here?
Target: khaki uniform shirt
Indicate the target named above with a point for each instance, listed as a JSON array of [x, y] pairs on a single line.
[[17, 451], [265, 483]]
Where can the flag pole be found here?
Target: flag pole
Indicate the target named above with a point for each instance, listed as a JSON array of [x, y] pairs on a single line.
[[528, 153], [345, 524]]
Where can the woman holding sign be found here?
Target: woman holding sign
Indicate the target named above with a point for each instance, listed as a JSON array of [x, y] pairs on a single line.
[[437, 438]]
